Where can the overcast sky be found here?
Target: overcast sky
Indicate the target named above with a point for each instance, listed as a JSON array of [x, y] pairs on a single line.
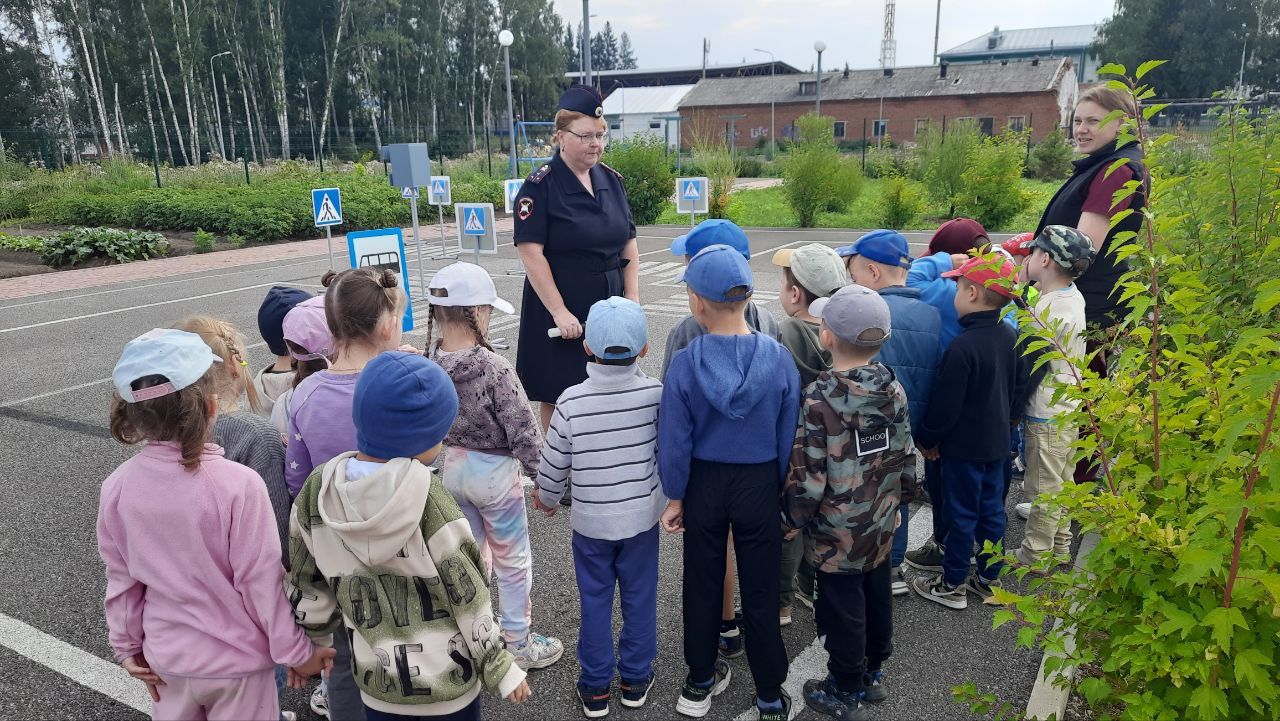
[[668, 33]]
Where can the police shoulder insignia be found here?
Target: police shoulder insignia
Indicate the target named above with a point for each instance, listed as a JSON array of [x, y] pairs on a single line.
[[539, 174], [525, 209], [611, 170]]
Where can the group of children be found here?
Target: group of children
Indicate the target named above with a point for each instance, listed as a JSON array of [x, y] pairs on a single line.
[[343, 510]]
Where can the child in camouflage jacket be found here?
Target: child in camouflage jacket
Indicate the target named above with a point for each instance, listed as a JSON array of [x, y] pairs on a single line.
[[852, 458]]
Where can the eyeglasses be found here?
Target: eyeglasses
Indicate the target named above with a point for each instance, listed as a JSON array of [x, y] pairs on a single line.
[[586, 138]]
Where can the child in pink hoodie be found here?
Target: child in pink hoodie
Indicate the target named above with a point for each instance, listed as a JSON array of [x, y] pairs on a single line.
[[195, 603]]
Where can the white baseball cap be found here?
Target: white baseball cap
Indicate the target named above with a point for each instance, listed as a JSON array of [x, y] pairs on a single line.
[[181, 357], [466, 284]]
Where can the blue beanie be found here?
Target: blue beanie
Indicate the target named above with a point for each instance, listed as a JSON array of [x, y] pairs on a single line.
[[279, 301], [404, 405]]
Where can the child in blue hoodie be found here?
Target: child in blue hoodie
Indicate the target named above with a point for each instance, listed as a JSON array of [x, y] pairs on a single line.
[[729, 407]]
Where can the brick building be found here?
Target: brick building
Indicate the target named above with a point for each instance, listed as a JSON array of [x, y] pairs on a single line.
[[901, 102]]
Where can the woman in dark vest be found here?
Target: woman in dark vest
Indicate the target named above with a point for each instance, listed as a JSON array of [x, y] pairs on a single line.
[[577, 241], [1085, 202]]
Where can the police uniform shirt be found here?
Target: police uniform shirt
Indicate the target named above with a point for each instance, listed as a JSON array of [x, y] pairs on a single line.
[[554, 210]]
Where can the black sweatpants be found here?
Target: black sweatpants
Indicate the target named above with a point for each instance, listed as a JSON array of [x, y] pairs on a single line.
[[855, 611], [721, 496]]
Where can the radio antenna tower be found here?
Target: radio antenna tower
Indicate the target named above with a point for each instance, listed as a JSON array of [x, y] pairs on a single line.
[[888, 46]]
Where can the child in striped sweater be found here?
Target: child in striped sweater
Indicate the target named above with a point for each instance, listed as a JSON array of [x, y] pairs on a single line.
[[603, 440]]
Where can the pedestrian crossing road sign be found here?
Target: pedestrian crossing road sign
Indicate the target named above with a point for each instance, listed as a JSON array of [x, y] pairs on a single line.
[[326, 206], [409, 193], [440, 190], [476, 227], [511, 189], [691, 195]]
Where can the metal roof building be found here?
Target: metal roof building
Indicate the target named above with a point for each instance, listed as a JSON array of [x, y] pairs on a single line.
[[1068, 41], [609, 80], [639, 111]]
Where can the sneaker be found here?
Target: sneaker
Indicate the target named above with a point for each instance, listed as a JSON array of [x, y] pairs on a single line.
[[898, 584], [538, 651], [806, 600], [784, 616], [825, 697], [695, 701], [320, 701], [1024, 510], [288, 716], [939, 591], [873, 690], [979, 585], [927, 557], [595, 701], [731, 643], [786, 713], [635, 694]]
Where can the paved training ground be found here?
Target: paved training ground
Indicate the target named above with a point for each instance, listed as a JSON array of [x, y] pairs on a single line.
[[60, 336]]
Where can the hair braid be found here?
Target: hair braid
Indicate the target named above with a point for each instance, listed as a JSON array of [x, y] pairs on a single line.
[[470, 314]]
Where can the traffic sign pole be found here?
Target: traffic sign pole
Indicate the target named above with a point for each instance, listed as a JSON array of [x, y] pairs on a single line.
[[417, 243], [328, 236], [444, 249]]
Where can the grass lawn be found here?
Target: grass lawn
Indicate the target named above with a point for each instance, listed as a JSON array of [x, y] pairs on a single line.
[[767, 208]]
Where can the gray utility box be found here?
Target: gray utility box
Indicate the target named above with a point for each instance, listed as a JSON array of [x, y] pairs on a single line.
[[410, 164]]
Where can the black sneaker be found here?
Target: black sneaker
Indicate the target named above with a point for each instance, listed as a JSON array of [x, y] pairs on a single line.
[[786, 713], [695, 701], [825, 697], [635, 694], [898, 582], [873, 690], [595, 701], [927, 557], [730, 644], [939, 591]]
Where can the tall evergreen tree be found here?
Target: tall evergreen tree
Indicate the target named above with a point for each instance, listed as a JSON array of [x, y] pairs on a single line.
[[626, 56]]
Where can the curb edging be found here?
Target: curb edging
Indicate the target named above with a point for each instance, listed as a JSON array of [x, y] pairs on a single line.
[[1049, 695]]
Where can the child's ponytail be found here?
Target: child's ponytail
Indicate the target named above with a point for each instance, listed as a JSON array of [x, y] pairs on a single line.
[[182, 417], [231, 379], [357, 300]]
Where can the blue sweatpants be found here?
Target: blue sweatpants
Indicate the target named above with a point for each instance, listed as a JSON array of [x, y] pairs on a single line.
[[975, 510], [899, 552], [632, 565]]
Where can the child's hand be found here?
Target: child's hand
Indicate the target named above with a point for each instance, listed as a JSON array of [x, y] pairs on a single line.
[[897, 520], [789, 533], [138, 668], [408, 348], [521, 693], [538, 504], [930, 454], [321, 660], [673, 517], [958, 259]]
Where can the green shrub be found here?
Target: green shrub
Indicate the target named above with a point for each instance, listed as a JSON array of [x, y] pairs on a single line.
[[15, 202], [901, 203], [712, 157], [749, 167], [24, 243], [816, 177], [944, 159], [646, 174], [1051, 158], [203, 241], [122, 246], [992, 193], [236, 240]]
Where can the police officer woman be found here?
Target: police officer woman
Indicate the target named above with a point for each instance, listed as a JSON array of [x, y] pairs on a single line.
[[577, 241]]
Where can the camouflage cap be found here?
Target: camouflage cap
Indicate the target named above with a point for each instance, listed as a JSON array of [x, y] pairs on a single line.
[[1069, 248]]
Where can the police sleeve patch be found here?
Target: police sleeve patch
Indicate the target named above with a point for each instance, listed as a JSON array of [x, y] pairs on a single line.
[[525, 211], [871, 440]]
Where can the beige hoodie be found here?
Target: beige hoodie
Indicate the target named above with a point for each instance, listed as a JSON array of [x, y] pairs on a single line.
[[386, 546]]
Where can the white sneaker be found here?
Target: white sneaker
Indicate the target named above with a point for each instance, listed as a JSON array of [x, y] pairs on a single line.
[[288, 716], [538, 651], [898, 582], [320, 700], [1024, 510]]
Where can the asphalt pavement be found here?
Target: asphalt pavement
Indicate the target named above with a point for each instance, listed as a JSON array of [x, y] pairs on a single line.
[[56, 355]]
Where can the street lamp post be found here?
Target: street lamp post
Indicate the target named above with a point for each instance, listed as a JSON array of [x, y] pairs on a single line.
[[819, 46], [222, 148], [773, 73], [586, 42], [505, 38]]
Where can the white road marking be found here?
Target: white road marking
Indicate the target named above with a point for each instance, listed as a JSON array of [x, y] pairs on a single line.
[[133, 307], [84, 668]]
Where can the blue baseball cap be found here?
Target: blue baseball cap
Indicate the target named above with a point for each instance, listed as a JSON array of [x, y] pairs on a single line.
[[716, 231], [404, 404], [715, 271], [182, 358], [616, 329], [888, 247]]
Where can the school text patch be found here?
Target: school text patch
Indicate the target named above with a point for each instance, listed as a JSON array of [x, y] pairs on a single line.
[[871, 440]]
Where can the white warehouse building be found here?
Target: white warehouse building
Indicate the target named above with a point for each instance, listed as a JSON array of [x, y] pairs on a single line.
[[636, 111]]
